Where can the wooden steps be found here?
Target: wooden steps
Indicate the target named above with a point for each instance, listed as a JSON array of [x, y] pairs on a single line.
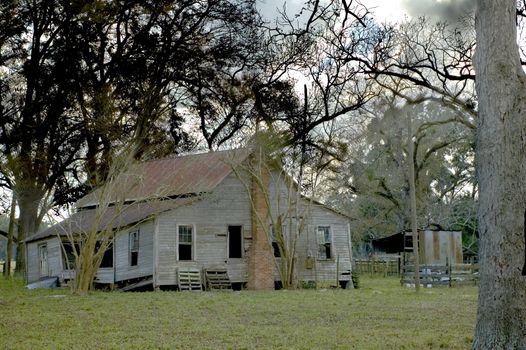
[[189, 279], [217, 279]]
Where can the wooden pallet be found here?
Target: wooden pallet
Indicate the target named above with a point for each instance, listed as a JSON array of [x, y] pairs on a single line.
[[189, 279], [217, 279]]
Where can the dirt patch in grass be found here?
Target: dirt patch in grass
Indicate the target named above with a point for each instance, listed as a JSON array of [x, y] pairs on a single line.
[[380, 315]]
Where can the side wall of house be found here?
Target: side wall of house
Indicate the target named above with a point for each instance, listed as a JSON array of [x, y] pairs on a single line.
[[144, 267], [310, 266], [54, 257], [32, 262], [210, 217], [230, 205]]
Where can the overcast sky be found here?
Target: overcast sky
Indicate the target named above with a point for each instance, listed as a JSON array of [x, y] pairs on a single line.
[[386, 10]]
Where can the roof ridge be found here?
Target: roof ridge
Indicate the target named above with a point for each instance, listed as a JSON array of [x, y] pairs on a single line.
[[193, 173], [176, 156]]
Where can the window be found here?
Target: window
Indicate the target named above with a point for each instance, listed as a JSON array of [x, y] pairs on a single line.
[[68, 256], [274, 242], [107, 258], [134, 248], [235, 242], [185, 242], [324, 242]]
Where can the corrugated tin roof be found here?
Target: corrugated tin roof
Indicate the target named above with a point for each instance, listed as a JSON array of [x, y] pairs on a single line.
[[112, 217], [151, 187], [169, 177]]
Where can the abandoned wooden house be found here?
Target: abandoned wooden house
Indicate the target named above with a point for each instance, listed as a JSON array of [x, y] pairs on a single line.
[[196, 220]]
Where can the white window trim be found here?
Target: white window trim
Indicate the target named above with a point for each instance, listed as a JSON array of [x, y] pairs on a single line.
[[194, 231], [318, 243], [228, 242]]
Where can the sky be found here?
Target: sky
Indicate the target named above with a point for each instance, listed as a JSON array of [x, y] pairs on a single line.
[[386, 10]]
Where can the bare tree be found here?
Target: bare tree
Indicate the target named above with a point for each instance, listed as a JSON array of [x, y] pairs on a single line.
[[89, 246], [105, 212], [278, 214]]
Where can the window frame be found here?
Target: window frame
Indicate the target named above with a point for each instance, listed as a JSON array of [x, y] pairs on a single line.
[[228, 242], [330, 242], [177, 241], [110, 254], [68, 258], [132, 249]]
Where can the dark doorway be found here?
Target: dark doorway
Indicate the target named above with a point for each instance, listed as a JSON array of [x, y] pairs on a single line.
[[235, 242]]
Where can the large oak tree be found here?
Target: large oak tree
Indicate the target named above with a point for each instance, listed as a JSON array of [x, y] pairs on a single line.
[[80, 79], [501, 170]]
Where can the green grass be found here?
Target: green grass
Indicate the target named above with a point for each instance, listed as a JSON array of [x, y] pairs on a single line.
[[380, 315]]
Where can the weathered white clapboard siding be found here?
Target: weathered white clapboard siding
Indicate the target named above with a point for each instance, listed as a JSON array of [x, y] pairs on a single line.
[[123, 270], [230, 205], [103, 275], [307, 244], [32, 262], [210, 218], [56, 266], [54, 256]]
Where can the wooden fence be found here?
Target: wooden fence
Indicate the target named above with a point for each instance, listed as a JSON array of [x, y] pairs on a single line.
[[442, 275], [389, 266]]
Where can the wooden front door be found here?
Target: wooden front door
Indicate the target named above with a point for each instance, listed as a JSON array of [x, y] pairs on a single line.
[[43, 261]]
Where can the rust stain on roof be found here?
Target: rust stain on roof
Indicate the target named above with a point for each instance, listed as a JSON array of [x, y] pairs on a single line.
[[147, 189], [169, 177]]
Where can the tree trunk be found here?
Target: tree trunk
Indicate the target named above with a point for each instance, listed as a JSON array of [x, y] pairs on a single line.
[[412, 200], [501, 172], [28, 222], [10, 230]]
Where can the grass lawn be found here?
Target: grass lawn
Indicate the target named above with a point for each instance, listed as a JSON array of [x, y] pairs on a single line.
[[379, 315]]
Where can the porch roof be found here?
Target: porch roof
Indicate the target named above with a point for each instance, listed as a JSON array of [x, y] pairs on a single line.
[[112, 217]]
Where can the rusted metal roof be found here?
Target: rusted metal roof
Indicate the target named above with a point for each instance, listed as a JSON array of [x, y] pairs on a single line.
[[169, 177], [112, 217]]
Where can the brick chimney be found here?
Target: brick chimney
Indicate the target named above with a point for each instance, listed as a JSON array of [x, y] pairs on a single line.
[[260, 260]]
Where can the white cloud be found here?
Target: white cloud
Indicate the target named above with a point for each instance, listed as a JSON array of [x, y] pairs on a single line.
[[383, 10], [387, 10]]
